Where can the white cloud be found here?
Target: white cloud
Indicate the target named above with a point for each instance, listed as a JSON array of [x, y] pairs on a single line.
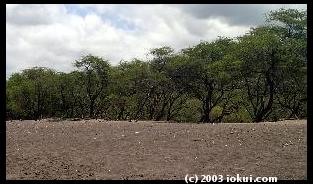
[[55, 35], [34, 14]]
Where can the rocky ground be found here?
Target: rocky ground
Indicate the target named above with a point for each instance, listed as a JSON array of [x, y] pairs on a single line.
[[99, 149]]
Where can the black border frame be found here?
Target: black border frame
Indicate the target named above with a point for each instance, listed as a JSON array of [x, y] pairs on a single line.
[[3, 81]]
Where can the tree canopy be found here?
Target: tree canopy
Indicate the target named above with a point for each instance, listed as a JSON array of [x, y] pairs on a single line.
[[259, 76]]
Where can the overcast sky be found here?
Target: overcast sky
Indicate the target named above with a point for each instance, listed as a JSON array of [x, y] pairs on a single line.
[[55, 35]]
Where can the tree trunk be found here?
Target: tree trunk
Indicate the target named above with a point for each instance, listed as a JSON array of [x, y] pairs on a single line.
[[121, 113], [162, 112], [91, 108], [270, 82], [207, 107]]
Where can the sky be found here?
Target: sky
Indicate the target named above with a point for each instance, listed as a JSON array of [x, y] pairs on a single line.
[[55, 36]]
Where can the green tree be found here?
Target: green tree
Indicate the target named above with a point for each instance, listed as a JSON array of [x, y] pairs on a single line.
[[32, 92], [291, 26], [259, 76], [94, 76], [259, 52], [204, 73]]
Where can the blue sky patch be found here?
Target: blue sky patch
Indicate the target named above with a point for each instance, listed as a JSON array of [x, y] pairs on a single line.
[[112, 17]]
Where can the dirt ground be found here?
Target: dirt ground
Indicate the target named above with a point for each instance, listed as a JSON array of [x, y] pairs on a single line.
[[99, 149]]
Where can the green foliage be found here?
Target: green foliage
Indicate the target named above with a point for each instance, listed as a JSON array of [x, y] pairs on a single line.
[[94, 76], [31, 94], [190, 112], [259, 76]]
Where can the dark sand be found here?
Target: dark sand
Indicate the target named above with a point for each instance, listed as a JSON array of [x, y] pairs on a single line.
[[98, 149]]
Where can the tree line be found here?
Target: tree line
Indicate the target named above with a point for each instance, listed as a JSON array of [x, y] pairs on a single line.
[[259, 76]]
